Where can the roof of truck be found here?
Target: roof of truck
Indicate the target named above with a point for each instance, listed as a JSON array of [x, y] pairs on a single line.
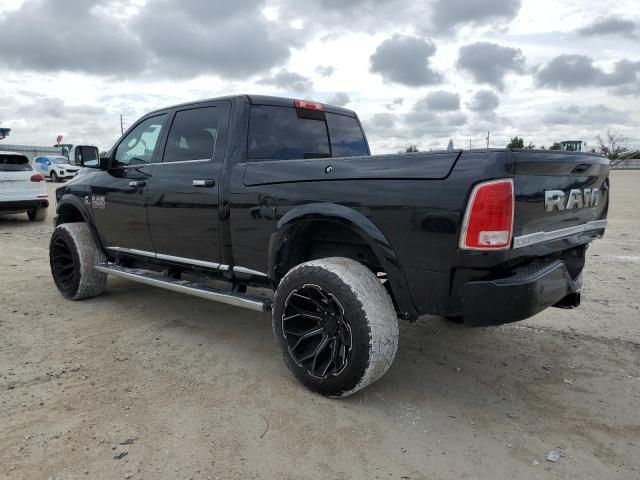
[[263, 100]]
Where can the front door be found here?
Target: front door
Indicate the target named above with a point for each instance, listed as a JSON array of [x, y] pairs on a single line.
[[182, 192], [118, 194]]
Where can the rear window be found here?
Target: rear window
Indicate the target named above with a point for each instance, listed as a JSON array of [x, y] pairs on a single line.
[[284, 133], [14, 163], [346, 136]]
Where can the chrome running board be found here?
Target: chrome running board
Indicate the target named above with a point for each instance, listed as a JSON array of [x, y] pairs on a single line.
[[190, 288]]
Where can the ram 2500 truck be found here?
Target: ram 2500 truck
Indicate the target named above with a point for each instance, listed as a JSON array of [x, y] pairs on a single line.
[[256, 191]]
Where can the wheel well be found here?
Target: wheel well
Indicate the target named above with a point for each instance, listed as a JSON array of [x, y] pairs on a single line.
[[68, 214], [321, 239]]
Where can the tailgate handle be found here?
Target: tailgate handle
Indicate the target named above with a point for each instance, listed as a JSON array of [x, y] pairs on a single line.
[[583, 167]]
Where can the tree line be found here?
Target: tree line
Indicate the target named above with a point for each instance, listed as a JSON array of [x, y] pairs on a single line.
[[610, 146]]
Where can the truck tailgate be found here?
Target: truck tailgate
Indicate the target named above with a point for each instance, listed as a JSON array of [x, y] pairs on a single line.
[[558, 194]]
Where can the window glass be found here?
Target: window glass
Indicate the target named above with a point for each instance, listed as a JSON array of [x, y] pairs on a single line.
[[278, 133], [138, 146], [347, 139], [14, 163], [60, 160], [193, 134]]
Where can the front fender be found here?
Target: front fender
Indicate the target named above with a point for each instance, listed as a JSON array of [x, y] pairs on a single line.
[[69, 200], [361, 225]]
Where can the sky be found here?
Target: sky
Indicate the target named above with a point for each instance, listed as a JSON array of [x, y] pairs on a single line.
[[417, 73]]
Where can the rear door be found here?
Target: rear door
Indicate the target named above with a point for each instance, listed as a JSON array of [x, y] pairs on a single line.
[[183, 189], [118, 194], [559, 194]]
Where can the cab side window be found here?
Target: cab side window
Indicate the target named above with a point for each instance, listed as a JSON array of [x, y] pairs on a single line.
[[140, 144], [193, 134]]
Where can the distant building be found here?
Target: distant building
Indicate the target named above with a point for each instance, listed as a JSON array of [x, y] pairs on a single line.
[[4, 133], [571, 145], [31, 151]]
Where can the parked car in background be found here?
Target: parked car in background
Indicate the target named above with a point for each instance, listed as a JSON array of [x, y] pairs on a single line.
[[56, 168], [22, 189]]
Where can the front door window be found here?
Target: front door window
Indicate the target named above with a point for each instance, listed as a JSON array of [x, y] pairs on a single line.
[[139, 146]]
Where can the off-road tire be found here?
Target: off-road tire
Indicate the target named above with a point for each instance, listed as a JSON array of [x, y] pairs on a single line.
[[368, 310], [72, 257], [37, 214]]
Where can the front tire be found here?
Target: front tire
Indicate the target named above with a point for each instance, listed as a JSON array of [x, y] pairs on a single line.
[[72, 256], [37, 214], [335, 325], [54, 177]]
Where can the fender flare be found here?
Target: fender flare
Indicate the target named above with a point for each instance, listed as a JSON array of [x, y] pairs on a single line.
[[361, 225], [78, 204]]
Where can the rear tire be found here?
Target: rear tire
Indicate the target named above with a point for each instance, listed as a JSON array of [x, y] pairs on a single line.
[[72, 256], [348, 321], [37, 214], [54, 177]]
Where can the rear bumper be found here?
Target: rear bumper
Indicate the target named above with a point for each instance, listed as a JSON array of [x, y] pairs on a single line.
[[528, 291], [23, 205]]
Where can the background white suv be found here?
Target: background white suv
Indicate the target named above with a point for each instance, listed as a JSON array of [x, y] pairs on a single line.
[[22, 189], [56, 168]]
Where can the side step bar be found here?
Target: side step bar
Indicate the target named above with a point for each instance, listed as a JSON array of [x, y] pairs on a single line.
[[190, 288]]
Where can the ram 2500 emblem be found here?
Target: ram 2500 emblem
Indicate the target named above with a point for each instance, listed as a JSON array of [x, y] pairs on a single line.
[[557, 200]]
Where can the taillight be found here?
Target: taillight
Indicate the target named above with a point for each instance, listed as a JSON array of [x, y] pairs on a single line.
[[37, 178], [308, 105], [488, 221]]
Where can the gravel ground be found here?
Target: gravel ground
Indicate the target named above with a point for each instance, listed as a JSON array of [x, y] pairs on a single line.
[[202, 392]]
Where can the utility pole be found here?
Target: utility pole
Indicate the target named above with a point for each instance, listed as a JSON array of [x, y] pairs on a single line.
[[469, 144], [121, 125], [488, 137]]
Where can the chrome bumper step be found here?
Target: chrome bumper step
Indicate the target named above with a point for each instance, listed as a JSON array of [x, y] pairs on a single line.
[[189, 288]]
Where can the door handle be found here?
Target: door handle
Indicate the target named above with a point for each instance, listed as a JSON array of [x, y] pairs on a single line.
[[137, 183], [204, 183]]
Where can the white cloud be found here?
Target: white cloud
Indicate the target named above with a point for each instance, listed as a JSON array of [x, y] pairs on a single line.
[[397, 63]]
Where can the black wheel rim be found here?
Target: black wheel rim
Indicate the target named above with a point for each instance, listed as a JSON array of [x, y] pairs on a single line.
[[62, 264], [316, 331]]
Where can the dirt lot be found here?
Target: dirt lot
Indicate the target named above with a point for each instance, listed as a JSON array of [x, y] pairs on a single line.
[[204, 393]]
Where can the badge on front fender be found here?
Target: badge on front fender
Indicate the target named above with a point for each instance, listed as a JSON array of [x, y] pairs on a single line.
[[98, 201]]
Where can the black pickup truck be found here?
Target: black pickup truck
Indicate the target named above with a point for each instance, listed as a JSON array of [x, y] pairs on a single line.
[[212, 197]]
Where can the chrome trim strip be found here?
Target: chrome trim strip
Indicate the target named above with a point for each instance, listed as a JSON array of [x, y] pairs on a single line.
[[188, 261], [540, 237], [138, 165], [187, 288], [199, 160], [249, 271], [132, 251]]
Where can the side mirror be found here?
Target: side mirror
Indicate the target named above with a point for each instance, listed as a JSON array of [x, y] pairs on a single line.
[[87, 156]]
